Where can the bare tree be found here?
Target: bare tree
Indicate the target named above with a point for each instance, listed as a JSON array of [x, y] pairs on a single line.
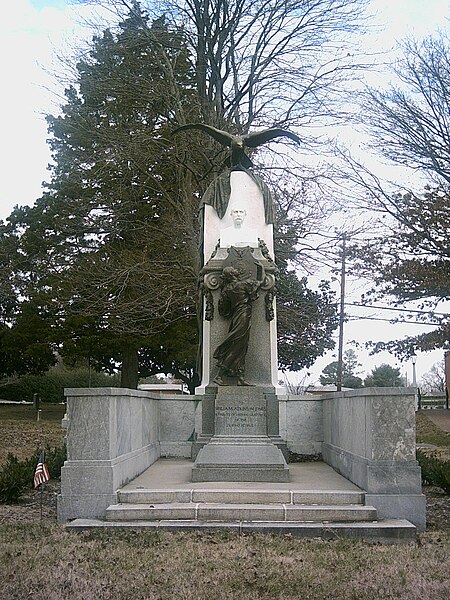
[[407, 259], [434, 379], [410, 122], [253, 63], [266, 62], [271, 62]]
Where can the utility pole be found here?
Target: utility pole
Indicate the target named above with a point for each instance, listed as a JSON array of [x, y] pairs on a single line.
[[447, 377], [341, 319]]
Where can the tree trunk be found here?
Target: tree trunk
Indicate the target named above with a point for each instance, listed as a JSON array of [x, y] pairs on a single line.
[[130, 368]]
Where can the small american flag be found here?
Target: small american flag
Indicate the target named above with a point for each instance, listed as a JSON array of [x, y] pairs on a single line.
[[41, 475]]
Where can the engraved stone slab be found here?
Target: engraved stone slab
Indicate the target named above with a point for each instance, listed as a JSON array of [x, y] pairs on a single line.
[[240, 411]]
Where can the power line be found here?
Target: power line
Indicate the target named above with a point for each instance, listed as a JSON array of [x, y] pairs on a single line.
[[421, 312], [391, 321]]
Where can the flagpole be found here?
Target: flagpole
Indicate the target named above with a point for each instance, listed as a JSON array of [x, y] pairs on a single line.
[[41, 475], [42, 491]]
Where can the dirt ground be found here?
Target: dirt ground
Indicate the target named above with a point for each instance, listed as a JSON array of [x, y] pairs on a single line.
[[440, 417]]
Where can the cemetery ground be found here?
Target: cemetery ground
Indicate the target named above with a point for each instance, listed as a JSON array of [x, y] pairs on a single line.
[[41, 560]]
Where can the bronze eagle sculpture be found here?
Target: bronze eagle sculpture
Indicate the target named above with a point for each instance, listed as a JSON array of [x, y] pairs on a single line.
[[238, 143]]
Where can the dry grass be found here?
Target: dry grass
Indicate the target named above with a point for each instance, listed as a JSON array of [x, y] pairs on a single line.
[[21, 434], [49, 563], [42, 561], [429, 433]]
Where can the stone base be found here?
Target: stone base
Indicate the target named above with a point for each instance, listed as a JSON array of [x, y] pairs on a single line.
[[88, 487], [281, 445], [233, 458], [408, 506], [392, 487], [199, 443], [83, 506], [384, 532], [375, 476]]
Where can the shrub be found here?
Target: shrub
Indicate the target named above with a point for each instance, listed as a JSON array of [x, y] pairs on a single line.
[[54, 459], [13, 480], [434, 471], [57, 458], [17, 476]]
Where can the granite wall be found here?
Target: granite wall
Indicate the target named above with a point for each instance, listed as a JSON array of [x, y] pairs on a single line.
[[178, 416], [112, 436], [369, 437], [301, 424]]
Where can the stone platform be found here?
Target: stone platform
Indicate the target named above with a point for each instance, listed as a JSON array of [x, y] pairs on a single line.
[[114, 435], [241, 449], [168, 473], [316, 502]]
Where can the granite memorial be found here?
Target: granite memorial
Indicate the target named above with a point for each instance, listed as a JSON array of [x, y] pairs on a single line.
[[231, 427], [240, 438]]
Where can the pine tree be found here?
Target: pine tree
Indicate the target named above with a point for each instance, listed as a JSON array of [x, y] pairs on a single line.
[[108, 255], [383, 376], [350, 378]]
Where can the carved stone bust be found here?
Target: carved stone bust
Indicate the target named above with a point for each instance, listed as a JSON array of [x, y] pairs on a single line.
[[238, 235]]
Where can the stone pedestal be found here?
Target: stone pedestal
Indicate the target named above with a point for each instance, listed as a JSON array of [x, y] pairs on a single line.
[[240, 448]]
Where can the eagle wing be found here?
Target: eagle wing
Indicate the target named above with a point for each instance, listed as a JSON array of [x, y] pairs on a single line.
[[222, 137], [253, 140]]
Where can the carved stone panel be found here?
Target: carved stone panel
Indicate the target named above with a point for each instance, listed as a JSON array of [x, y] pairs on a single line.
[[240, 412]]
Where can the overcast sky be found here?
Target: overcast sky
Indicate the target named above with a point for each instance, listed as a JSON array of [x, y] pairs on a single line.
[[33, 32]]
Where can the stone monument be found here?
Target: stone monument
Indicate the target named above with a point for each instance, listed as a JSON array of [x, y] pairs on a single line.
[[240, 438], [114, 435]]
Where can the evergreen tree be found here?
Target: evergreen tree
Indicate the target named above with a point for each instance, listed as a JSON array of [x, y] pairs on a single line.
[[412, 264], [383, 376], [111, 244], [350, 378], [108, 256]]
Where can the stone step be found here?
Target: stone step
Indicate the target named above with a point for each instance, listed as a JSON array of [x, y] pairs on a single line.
[[240, 496], [239, 512], [387, 532]]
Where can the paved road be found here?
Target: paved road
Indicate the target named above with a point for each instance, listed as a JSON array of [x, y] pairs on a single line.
[[12, 402], [440, 417]]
